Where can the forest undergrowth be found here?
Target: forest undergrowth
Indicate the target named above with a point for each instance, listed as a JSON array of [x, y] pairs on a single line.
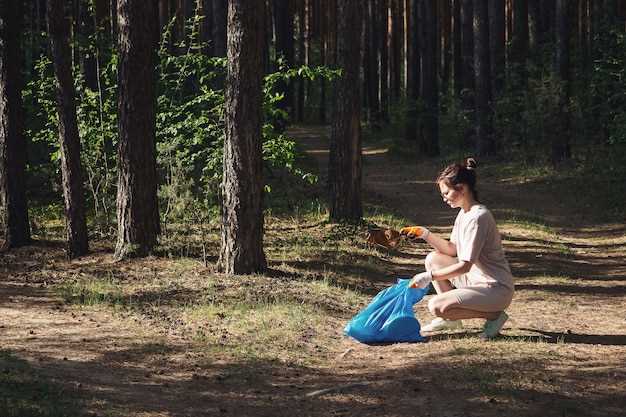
[[168, 336]]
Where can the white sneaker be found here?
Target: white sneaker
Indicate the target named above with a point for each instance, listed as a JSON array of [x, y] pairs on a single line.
[[492, 327], [439, 324]]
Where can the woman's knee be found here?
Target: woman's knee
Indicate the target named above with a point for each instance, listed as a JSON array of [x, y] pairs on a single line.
[[436, 259]]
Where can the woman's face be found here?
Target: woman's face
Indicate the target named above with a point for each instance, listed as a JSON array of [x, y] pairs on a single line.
[[450, 195]]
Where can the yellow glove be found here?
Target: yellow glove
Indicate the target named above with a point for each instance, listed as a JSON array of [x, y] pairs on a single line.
[[415, 232]]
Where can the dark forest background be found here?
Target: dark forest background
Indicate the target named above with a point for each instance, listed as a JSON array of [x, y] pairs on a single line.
[[541, 83]]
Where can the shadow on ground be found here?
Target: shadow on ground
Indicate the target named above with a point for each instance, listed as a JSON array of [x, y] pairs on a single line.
[[268, 388]]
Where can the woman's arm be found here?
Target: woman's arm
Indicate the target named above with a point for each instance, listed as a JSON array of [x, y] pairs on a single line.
[[440, 244], [423, 279]]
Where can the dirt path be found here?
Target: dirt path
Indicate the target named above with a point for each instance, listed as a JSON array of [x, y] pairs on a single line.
[[564, 354]]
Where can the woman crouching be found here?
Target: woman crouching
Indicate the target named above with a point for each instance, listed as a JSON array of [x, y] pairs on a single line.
[[470, 272]]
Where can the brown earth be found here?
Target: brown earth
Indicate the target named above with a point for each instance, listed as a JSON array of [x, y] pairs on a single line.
[[563, 353]]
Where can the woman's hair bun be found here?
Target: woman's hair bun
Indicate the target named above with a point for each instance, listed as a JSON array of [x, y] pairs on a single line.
[[470, 163]]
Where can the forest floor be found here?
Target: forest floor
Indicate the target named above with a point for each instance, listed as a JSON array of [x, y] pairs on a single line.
[[166, 336]]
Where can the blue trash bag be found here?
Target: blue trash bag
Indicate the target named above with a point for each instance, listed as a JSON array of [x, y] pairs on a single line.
[[389, 316]]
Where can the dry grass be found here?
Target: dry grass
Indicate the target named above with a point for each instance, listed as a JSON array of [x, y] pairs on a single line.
[[167, 336]]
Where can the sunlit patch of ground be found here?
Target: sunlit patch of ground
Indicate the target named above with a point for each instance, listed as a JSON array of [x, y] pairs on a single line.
[[167, 336]]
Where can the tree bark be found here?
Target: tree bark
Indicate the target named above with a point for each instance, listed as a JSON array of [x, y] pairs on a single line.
[[12, 141], [241, 250], [323, 38], [137, 205], [457, 66], [583, 39], [373, 78], [429, 137], [535, 27], [345, 147], [446, 47], [283, 27], [397, 36], [610, 13], [178, 29], [509, 25], [467, 51], [560, 140], [497, 39], [482, 70], [383, 25], [113, 19], [69, 141], [413, 69], [547, 11], [220, 8], [519, 44], [300, 60], [164, 13], [205, 11], [88, 64]]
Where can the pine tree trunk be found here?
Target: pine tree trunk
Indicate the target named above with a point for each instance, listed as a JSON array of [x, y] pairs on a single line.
[[241, 250], [76, 30], [610, 12], [345, 145], [178, 29], [137, 205], [372, 65], [323, 38], [446, 44], [509, 26], [113, 19], [283, 27], [482, 70], [497, 39], [12, 141], [383, 20], [457, 66], [220, 8], [547, 11], [413, 69], [301, 60], [308, 38], [332, 32], [59, 30], [519, 44], [467, 51], [397, 36], [583, 39], [88, 64], [560, 140], [535, 28], [205, 10], [269, 39], [429, 138], [164, 14]]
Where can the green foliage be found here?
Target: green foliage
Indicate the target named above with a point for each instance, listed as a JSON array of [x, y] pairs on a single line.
[[97, 126], [190, 129], [455, 123]]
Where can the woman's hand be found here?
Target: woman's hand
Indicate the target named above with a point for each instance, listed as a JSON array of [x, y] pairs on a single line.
[[415, 232], [421, 280]]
